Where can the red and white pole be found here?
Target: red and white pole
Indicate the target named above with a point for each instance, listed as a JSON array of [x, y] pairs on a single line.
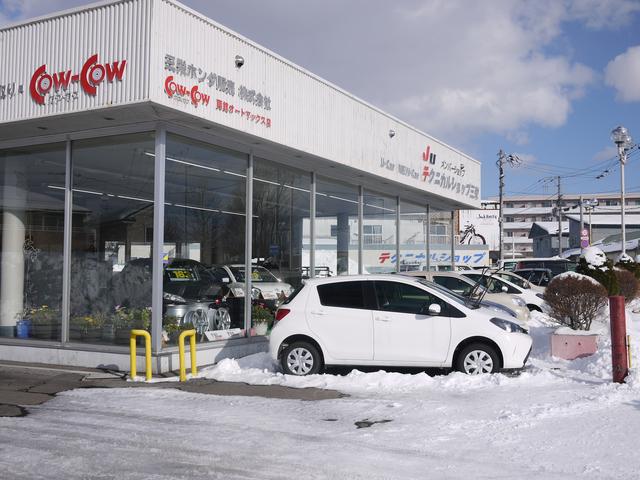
[[619, 359]]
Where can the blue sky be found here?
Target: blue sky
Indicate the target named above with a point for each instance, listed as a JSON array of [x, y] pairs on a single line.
[[534, 78]]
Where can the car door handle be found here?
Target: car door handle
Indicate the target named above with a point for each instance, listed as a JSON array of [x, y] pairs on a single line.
[[318, 312]]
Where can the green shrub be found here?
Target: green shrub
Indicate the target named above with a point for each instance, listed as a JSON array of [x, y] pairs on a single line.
[[575, 300], [600, 268], [628, 284]]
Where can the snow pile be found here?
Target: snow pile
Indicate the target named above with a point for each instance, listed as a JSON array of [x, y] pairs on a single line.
[[259, 369], [623, 257], [577, 275], [594, 257]]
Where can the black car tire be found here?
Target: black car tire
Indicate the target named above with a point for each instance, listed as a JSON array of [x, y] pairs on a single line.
[[301, 358], [476, 359]]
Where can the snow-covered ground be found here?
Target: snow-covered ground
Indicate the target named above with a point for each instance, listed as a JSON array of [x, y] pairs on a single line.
[[556, 420]]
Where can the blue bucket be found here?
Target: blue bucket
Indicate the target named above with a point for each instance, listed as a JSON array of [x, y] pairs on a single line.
[[22, 328]]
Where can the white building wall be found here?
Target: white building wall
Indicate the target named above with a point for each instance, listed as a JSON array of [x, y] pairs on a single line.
[[304, 112], [32, 54]]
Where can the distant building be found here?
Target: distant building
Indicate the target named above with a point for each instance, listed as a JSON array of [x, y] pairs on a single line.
[[545, 238], [522, 211]]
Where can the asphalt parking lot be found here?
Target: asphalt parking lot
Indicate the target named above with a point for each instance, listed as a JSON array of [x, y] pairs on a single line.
[[23, 385]]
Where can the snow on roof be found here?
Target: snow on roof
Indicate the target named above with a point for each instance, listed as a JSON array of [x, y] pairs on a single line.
[[629, 220], [552, 227]]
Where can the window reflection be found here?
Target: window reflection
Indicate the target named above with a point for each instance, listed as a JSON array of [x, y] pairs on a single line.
[[204, 237], [112, 229], [379, 233], [336, 227], [32, 180]]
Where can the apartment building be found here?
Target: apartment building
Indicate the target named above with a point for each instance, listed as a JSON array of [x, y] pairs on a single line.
[[522, 211]]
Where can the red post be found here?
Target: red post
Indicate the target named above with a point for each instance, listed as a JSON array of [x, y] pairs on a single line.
[[618, 339]]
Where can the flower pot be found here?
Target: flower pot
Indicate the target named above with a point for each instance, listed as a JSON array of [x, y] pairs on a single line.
[[91, 335], [261, 328], [46, 331], [571, 346], [109, 333], [121, 336]]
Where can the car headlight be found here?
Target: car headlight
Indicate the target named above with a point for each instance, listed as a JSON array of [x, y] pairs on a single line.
[[540, 295], [237, 291], [507, 325], [170, 297], [518, 301]]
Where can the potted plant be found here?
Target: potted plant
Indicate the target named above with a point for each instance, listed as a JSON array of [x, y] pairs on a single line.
[[574, 301], [127, 319], [45, 322], [172, 328], [261, 318]]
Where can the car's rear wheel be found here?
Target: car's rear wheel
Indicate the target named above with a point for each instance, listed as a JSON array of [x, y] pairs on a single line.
[[476, 359], [301, 358]]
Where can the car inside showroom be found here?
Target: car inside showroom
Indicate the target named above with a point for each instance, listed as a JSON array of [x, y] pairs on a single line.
[[161, 172]]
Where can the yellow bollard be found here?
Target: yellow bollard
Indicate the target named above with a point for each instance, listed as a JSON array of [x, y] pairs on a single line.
[[147, 352], [192, 347]]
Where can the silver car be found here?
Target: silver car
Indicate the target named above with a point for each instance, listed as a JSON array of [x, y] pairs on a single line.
[[266, 287]]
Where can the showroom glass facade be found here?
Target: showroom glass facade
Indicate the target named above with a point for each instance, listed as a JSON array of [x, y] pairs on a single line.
[[379, 233], [336, 228], [80, 238], [413, 228]]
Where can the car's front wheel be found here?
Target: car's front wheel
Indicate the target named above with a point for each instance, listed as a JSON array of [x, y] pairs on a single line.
[[476, 359], [301, 358]]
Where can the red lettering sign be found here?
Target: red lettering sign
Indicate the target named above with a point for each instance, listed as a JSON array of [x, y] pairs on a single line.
[[172, 88], [91, 75]]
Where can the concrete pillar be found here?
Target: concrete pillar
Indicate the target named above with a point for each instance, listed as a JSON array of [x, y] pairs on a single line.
[[13, 234], [342, 233]]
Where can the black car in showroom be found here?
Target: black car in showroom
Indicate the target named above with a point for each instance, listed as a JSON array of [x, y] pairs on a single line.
[[191, 294]]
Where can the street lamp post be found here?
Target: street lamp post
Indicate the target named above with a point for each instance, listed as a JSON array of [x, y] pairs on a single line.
[[622, 139]]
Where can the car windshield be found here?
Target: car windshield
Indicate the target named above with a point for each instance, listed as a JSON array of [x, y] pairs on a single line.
[[258, 274], [454, 297], [515, 279]]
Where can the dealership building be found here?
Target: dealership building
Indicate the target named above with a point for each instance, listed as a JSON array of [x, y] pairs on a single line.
[[145, 149]]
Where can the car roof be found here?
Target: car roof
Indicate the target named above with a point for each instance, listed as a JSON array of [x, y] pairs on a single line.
[[353, 278]]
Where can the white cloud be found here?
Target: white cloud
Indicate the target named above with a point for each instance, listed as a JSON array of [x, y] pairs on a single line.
[[607, 153], [526, 159], [623, 74]]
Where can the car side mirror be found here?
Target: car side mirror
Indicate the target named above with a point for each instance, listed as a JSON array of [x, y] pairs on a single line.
[[504, 289], [434, 309]]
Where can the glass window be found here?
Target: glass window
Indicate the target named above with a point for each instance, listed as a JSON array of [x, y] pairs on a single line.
[[403, 298], [204, 233], [413, 221], [342, 294], [380, 210], [337, 248], [281, 202], [112, 185], [454, 284], [32, 201]]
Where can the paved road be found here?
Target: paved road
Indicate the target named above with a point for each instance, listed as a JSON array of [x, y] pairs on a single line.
[[22, 385]]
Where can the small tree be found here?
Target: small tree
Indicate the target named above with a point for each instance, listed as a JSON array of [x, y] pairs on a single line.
[[626, 262], [595, 264], [628, 283], [575, 300]]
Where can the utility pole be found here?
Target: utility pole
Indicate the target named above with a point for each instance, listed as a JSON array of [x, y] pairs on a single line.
[[582, 223], [512, 160], [559, 208]]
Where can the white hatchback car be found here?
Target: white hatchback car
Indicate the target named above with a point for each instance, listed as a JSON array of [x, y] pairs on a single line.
[[391, 320], [534, 300]]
